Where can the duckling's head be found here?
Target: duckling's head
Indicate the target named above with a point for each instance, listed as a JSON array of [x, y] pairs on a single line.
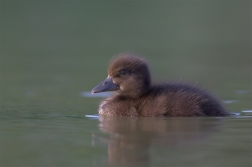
[[128, 75]]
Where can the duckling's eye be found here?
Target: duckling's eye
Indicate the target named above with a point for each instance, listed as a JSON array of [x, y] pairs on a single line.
[[124, 72]]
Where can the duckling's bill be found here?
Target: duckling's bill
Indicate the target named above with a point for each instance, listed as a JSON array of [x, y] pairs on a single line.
[[105, 86]]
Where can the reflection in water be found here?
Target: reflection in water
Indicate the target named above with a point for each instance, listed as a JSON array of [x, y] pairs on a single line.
[[102, 94], [130, 139]]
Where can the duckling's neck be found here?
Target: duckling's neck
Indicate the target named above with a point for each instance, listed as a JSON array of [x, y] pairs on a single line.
[[135, 91]]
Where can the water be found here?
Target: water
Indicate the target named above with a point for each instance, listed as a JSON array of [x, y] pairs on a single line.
[[73, 140], [53, 53]]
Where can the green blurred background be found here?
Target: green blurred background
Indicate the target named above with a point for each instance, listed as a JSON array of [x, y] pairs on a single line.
[[51, 51]]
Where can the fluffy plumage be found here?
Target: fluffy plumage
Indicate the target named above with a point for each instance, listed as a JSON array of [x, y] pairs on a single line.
[[129, 76]]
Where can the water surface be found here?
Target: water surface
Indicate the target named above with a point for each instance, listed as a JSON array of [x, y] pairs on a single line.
[[73, 140]]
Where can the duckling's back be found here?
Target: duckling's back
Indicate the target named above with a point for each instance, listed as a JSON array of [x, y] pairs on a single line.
[[179, 100]]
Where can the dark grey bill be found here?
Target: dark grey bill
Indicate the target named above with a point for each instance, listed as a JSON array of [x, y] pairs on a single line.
[[106, 85]]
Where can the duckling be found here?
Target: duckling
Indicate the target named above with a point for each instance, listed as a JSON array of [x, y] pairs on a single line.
[[136, 96]]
